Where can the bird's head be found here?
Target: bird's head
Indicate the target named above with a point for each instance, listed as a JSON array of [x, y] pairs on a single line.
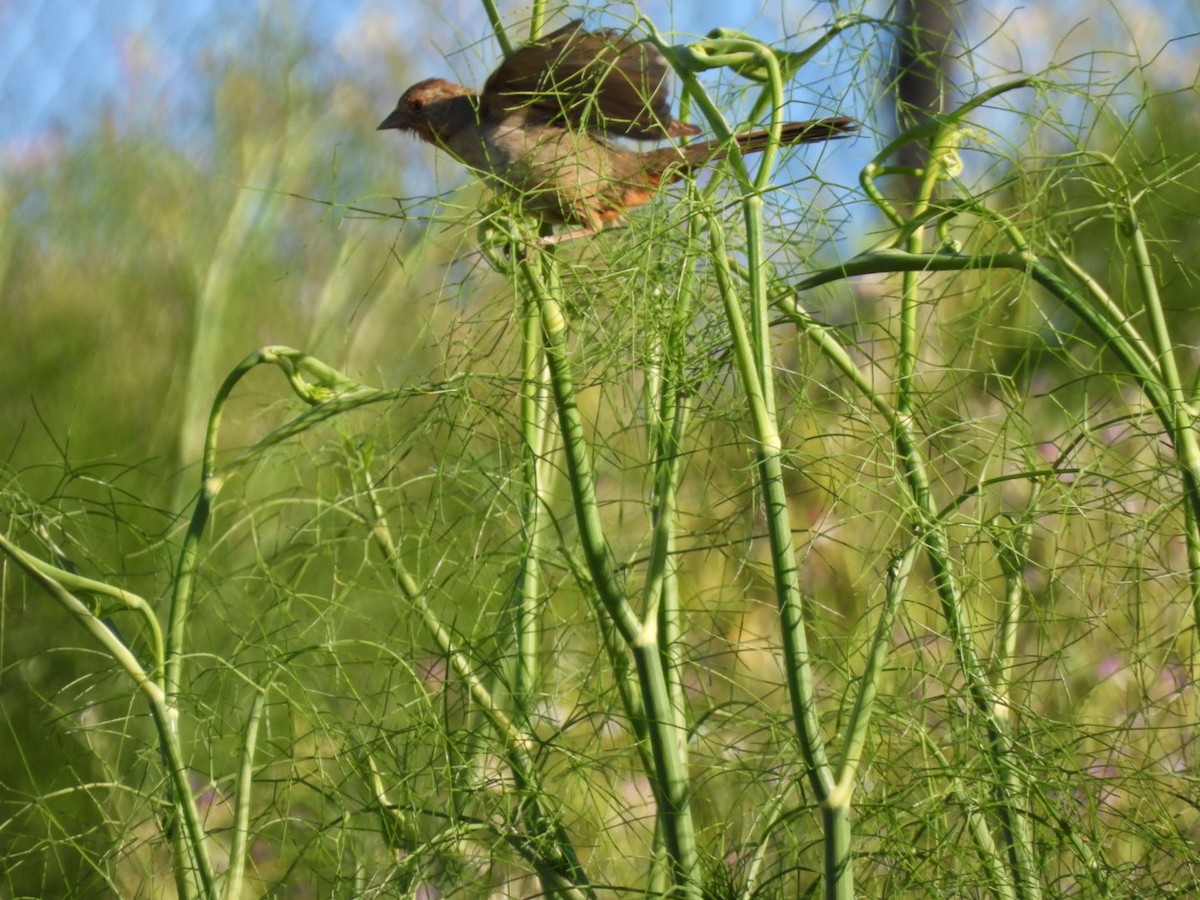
[[429, 109]]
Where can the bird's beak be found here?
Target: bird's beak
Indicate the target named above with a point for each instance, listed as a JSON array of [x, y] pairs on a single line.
[[394, 120]]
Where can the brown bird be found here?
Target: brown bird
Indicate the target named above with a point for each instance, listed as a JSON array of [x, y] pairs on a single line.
[[539, 129]]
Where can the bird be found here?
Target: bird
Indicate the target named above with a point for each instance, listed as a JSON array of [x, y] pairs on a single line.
[[541, 131]]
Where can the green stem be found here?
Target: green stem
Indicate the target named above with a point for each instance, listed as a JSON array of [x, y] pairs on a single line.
[[1182, 417], [1013, 793], [331, 394], [929, 533], [798, 666], [548, 846], [497, 23], [82, 585], [535, 418], [601, 565], [859, 724], [164, 716], [669, 774], [668, 746], [1144, 369], [658, 657], [537, 19], [241, 811]]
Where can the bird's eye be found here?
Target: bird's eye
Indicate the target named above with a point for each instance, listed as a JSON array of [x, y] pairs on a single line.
[[415, 104]]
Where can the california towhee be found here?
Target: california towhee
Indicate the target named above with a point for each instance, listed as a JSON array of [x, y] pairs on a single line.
[[538, 130]]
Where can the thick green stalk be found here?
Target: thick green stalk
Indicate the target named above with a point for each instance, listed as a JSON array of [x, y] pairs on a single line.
[[658, 657], [1014, 792], [798, 666], [535, 419], [537, 19], [668, 747], [1183, 415], [669, 775], [497, 22], [330, 394], [661, 595], [241, 810], [668, 410], [601, 564], [838, 869], [929, 533]]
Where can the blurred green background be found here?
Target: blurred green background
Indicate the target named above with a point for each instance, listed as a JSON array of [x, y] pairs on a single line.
[[181, 185]]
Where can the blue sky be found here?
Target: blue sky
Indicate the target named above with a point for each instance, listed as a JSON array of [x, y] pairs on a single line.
[[64, 62], [61, 60]]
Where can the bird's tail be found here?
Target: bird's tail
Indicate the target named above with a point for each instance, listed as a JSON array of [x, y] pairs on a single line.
[[671, 163]]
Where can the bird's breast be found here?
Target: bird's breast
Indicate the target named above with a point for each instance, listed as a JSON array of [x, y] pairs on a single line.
[[552, 171]]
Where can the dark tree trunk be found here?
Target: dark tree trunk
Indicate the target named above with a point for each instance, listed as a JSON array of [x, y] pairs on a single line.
[[923, 68]]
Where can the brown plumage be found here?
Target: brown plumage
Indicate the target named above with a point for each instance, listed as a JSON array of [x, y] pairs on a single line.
[[538, 130]]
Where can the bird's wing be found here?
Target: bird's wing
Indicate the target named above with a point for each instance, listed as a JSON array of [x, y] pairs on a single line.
[[599, 81]]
